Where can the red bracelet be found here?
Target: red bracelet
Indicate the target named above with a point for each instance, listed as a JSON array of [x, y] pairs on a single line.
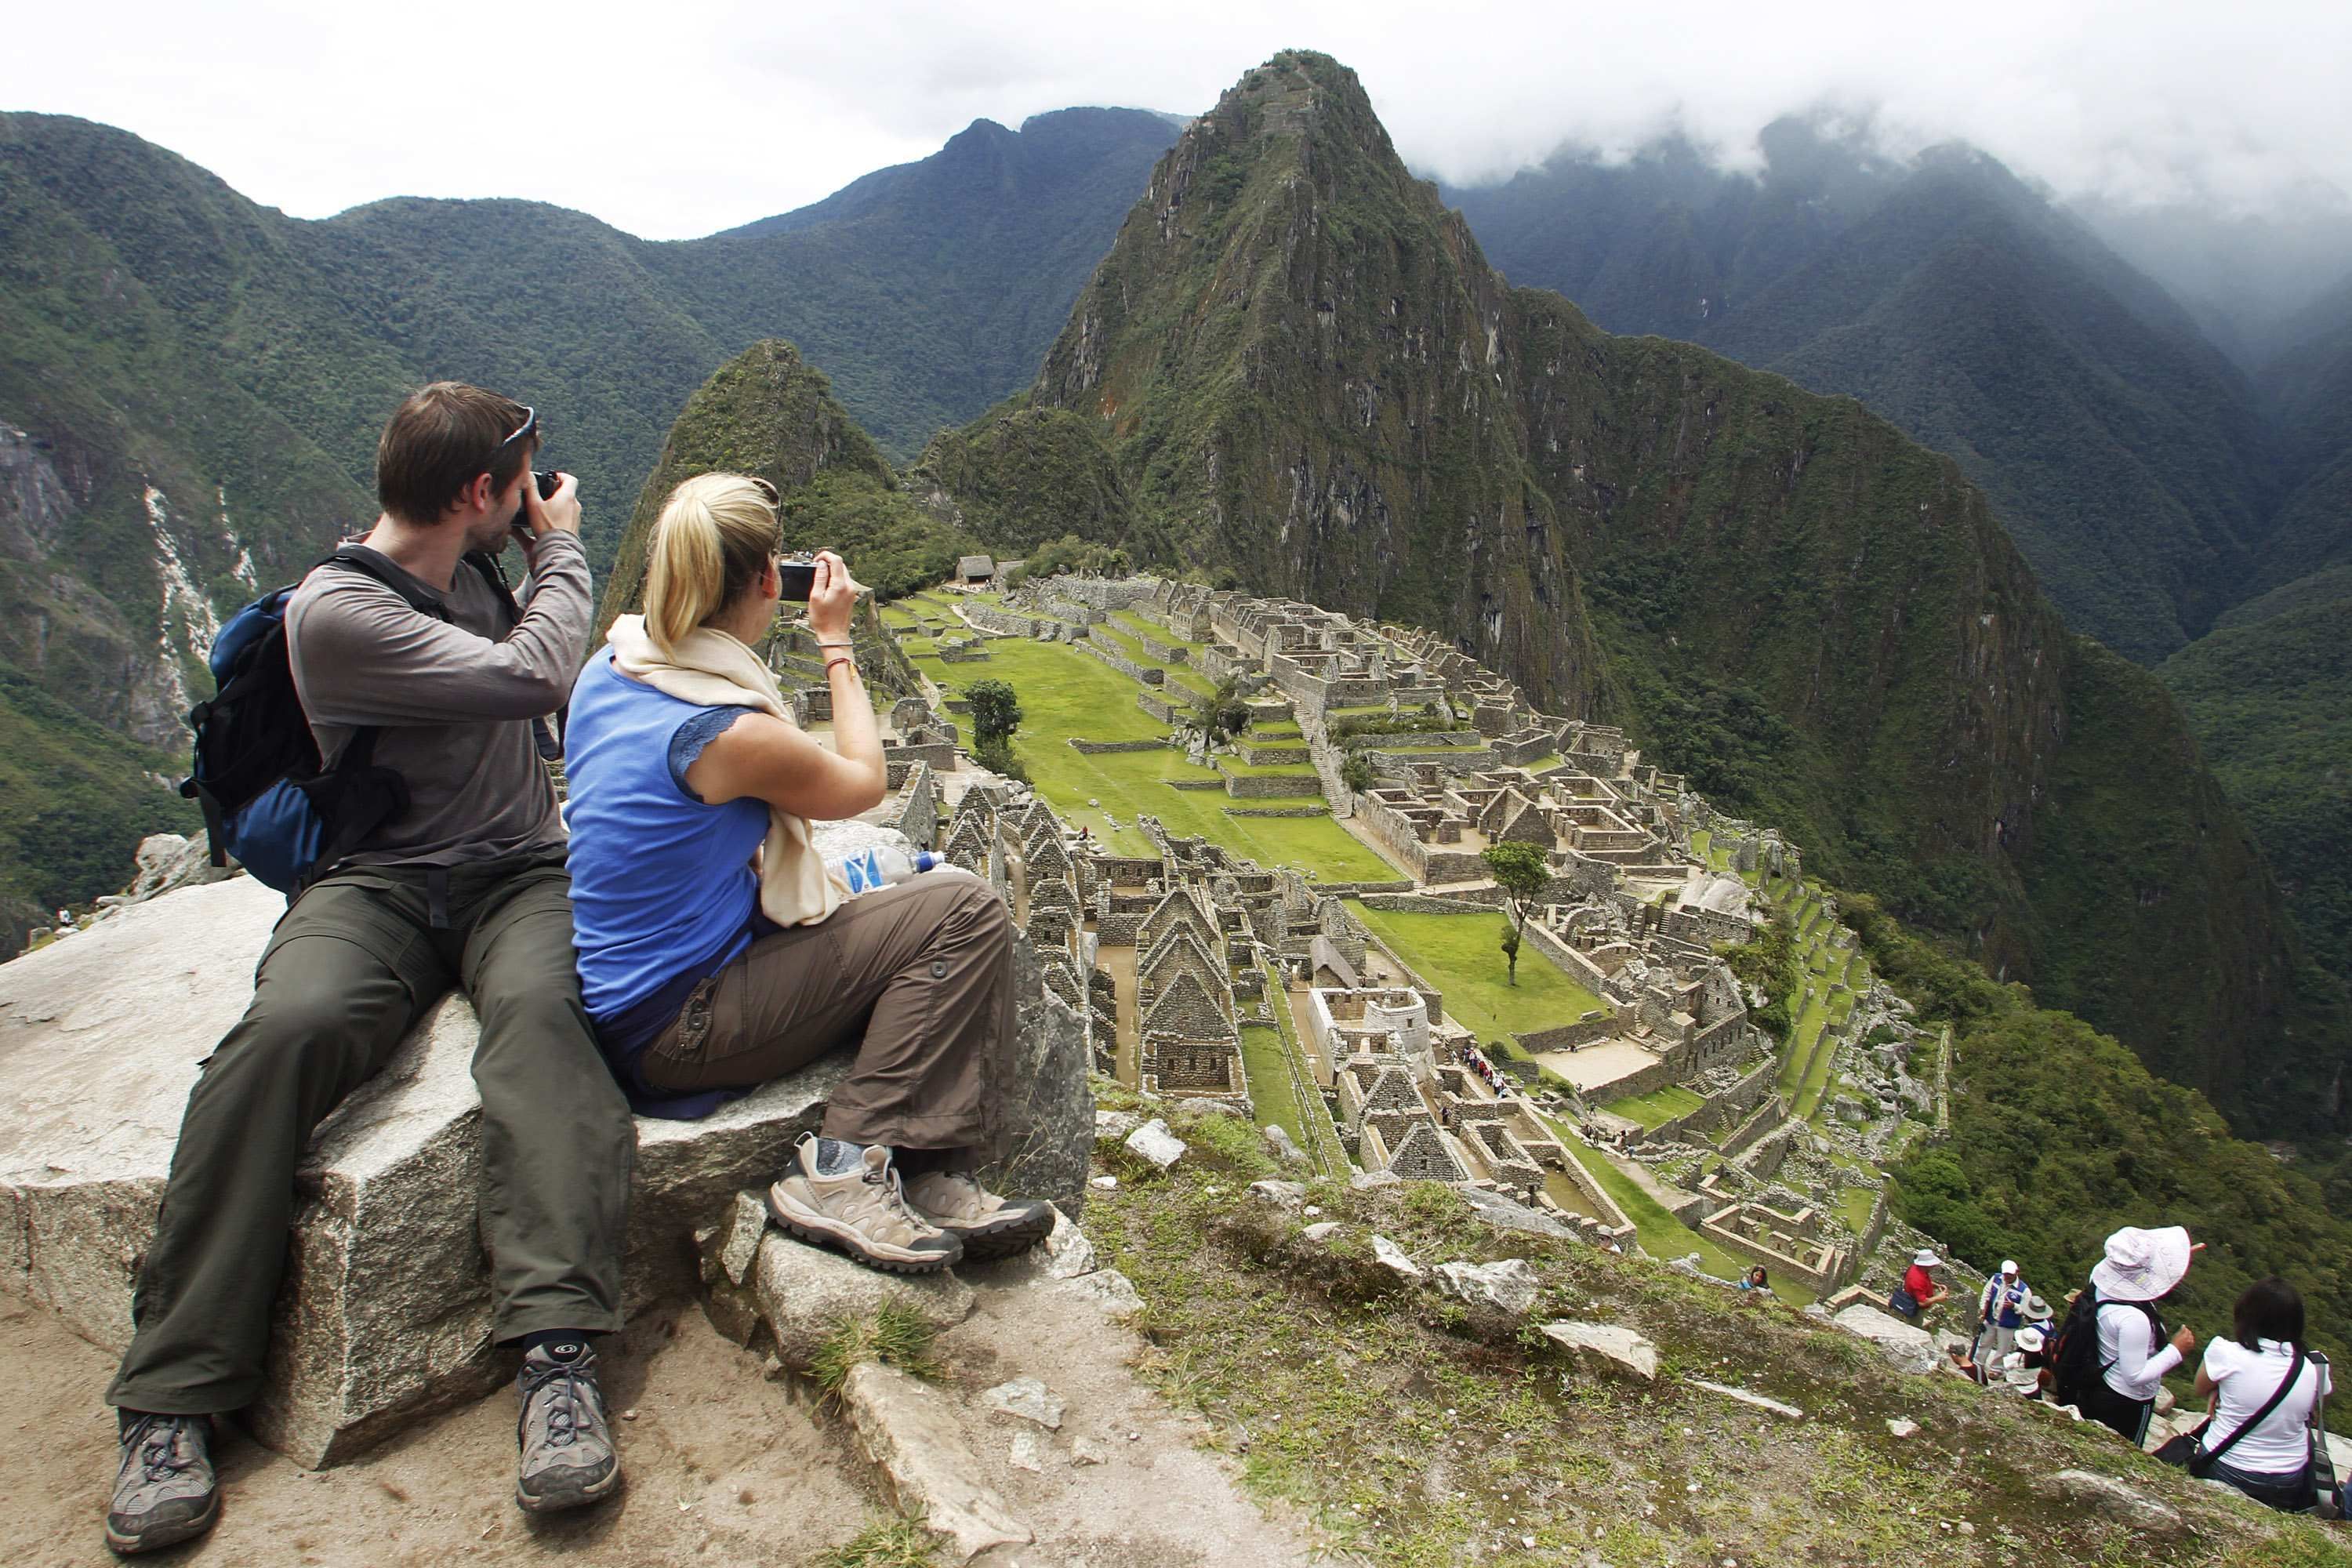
[[840, 659]]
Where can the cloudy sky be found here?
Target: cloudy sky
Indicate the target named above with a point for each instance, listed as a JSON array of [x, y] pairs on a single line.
[[676, 119]]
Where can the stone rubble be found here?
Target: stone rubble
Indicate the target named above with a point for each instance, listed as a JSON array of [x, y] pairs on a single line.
[[1393, 1257]]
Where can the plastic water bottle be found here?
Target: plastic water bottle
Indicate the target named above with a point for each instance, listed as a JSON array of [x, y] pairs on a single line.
[[871, 868]]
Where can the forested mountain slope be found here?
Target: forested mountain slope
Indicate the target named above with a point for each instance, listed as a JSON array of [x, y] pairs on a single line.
[[1305, 373], [2122, 453], [191, 387]]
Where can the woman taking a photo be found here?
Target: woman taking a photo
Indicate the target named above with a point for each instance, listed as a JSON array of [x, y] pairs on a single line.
[[716, 950]]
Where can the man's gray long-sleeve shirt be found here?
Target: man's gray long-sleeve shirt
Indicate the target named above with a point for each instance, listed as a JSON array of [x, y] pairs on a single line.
[[454, 699]]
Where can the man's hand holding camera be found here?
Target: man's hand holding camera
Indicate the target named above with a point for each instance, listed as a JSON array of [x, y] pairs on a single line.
[[551, 504]]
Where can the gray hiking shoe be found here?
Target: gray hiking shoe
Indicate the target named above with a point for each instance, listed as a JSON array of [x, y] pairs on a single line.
[[860, 1210], [988, 1226], [165, 1493], [567, 1445]]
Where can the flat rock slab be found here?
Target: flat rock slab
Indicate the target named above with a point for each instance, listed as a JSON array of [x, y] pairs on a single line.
[[1508, 1285], [911, 1433], [384, 1315], [1906, 1349], [1749, 1396], [1608, 1347]]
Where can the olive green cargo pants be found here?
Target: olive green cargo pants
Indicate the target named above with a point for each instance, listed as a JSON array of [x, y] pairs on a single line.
[[354, 960]]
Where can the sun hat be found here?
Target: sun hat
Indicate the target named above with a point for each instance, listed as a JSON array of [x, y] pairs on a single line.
[[2141, 1265], [2029, 1339], [2035, 1306], [2008, 1266], [1926, 1258]]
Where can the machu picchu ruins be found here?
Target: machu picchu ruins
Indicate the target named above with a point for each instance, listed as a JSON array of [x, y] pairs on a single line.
[[1207, 973]]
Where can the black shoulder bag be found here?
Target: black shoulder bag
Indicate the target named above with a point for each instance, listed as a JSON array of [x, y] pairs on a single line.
[[2188, 1451]]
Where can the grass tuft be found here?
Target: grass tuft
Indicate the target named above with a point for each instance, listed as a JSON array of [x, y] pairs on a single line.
[[895, 1335], [884, 1543]]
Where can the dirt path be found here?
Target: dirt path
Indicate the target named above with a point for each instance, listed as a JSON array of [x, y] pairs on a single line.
[[723, 1465]]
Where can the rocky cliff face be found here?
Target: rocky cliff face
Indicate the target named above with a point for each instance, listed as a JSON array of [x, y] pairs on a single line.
[[1308, 374]]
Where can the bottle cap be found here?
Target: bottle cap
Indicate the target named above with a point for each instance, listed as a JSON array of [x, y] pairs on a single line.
[[925, 860]]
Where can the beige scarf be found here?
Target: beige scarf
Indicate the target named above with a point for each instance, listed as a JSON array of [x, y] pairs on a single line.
[[712, 670]]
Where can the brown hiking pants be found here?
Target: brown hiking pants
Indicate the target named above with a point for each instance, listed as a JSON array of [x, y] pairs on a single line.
[[919, 976]]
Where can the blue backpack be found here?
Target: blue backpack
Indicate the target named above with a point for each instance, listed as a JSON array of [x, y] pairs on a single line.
[[267, 798]]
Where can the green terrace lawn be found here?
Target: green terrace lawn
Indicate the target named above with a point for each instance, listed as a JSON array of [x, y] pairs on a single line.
[[1134, 625], [1656, 1107], [1459, 954], [1179, 678], [1066, 693]]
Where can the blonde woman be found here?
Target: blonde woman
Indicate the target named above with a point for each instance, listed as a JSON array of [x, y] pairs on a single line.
[[716, 951]]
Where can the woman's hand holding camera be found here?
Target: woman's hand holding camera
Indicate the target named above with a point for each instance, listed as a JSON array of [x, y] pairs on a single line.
[[831, 597]]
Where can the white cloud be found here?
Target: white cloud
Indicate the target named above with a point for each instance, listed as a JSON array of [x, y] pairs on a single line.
[[678, 120]]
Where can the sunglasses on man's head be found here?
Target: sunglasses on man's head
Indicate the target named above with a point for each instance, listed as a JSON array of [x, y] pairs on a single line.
[[530, 428]]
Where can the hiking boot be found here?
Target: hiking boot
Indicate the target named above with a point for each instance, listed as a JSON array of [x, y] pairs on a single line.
[[988, 1226], [165, 1493], [843, 1196], [567, 1444]]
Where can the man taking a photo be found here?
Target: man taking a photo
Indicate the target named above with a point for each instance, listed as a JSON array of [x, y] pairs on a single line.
[[467, 887]]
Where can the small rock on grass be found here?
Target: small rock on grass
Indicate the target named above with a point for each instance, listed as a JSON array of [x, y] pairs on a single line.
[[1086, 1451], [1322, 1230], [1509, 1286], [1902, 1426], [1392, 1256], [1153, 1142], [1028, 1398], [1786, 1411], [1282, 1194], [1607, 1344], [1115, 1123], [2113, 1498], [1284, 1147]]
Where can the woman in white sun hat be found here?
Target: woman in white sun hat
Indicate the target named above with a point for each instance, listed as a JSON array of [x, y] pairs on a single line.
[[2141, 1268]]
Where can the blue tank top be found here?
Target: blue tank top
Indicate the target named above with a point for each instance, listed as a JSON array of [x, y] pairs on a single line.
[[662, 886]]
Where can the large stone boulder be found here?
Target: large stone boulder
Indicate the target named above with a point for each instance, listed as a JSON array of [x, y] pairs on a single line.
[[384, 1314]]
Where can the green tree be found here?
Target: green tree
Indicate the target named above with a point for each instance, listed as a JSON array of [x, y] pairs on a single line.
[[995, 714], [1222, 714], [1521, 871], [1356, 773]]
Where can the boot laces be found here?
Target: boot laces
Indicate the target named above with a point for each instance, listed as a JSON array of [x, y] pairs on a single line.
[[894, 1195], [157, 1439], [566, 1388]]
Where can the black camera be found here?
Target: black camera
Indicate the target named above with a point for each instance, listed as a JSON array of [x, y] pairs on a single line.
[[795, 577], [549, 482]]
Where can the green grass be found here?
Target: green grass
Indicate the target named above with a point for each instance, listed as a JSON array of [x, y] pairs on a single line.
[[1065, 693], [1656, 1107], [893, 1335], [884, 1543], [1660, 1233], [1459, 954], [1855, 1203], [1272, 1098]]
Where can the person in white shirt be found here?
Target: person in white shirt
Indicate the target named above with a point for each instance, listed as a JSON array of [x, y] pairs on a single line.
[[2141, 1266], [2272, 1462], [2024, 1369]]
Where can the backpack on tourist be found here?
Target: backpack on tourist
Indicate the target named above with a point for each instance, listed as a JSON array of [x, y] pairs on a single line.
[[2074, 1362], [258, 773]]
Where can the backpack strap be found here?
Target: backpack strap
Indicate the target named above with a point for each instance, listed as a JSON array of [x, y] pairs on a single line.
[[2207, 1458]]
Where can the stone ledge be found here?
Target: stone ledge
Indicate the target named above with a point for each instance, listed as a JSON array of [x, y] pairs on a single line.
[[384, 1315]]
